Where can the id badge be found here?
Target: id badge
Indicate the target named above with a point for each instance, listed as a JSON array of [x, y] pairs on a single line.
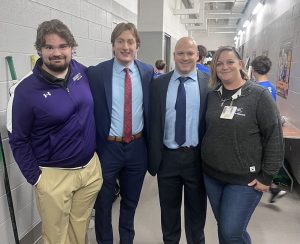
[[228, 112]]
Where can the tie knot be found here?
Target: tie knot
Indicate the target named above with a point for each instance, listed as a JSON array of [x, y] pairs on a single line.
[[126, 69], [183, 79]]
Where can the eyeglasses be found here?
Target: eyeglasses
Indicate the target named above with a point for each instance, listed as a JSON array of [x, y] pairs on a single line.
[[61, 48]]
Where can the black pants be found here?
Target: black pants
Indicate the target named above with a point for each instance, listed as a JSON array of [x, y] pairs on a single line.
[[181, 169]]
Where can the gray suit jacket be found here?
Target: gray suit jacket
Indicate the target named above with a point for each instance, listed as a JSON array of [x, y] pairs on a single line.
[[158, 94]]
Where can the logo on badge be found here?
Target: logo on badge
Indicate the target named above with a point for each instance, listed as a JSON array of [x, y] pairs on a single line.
[[239, 112]]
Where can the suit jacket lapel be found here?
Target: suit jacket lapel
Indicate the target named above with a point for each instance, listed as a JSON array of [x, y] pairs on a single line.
[[164, 90], [144, 83], [203, 92], [107, 76]]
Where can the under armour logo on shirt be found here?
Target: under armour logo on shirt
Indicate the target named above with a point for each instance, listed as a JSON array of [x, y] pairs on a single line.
[[47, 94]]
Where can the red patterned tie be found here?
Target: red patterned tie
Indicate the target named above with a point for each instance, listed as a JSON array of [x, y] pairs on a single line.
[[127, 108]]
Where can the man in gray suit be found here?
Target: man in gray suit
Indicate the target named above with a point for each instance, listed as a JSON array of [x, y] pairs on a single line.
[[177, 108]]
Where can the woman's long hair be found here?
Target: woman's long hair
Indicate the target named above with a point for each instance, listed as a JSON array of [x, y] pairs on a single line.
[[214, 80]]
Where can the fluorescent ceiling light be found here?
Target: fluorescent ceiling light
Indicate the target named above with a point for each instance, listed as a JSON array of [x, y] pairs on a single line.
[[222, 32], [257, 8], [246, 23], [219, 1]]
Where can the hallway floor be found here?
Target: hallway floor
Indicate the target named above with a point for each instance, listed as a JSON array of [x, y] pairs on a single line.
[[271, 223]]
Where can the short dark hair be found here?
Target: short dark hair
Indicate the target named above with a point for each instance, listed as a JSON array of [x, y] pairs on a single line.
[[121, 27], [261, 65], [53, 26], [160, 64], [202, 52]]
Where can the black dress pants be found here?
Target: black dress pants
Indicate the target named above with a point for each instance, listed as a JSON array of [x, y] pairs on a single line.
[[181, 170]]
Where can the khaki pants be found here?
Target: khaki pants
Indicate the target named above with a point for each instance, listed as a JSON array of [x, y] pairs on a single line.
[[65, 199]]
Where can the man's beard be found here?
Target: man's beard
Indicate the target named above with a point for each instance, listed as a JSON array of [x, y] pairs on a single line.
[[57, 67]]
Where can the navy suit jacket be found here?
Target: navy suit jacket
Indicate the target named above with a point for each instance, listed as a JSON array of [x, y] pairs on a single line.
[[158, 95], [100, 78]]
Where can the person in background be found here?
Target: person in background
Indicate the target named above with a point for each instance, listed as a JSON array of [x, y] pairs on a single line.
[[261, 65], [208, 63], [202, 54], [177, 108], [50, 120], [160, 68], [120, 88], [242, 148]]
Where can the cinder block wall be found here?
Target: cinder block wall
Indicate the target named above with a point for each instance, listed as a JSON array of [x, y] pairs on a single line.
[[91, 22]]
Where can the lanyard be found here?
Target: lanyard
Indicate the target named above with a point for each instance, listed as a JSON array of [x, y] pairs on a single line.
[[232, 98]]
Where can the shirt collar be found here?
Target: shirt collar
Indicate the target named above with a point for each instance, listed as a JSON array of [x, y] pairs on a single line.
[[49, 77], [120, 67], [236, 95], [193, 75]]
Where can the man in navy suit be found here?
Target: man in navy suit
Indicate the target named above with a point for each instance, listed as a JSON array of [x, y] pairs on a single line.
[[177, 108], [120, 88]]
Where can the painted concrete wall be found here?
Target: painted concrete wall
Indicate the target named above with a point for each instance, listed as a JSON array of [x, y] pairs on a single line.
[[171, 23], [151, 46], [275, 26], [91, 22], [213, 41], [131, 5], [155, 19]]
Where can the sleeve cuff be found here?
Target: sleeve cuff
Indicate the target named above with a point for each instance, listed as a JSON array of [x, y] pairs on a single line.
[[265, 179]]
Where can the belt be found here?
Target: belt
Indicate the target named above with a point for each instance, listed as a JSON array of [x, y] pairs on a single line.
[[182, 149], [121, 139]]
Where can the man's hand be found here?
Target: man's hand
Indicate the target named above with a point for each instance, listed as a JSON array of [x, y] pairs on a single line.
[[259, 186]]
